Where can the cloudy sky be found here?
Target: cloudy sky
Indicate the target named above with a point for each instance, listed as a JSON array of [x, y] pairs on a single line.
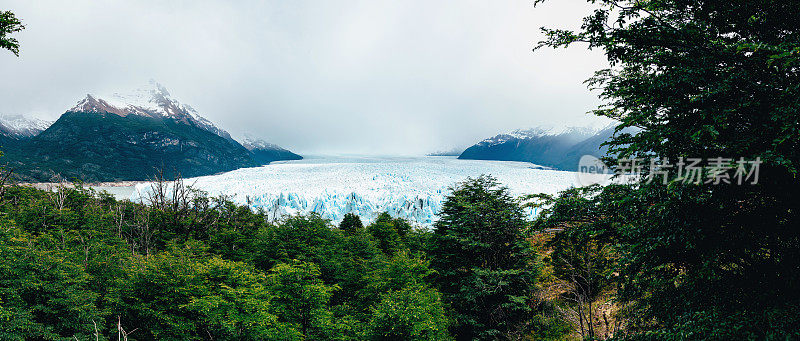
[[372, 76]]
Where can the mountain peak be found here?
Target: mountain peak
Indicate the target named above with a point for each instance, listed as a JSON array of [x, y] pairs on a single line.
[[560, 148], [152, 100], [254, 143], [264, 152], [540, 131], [19, 126]]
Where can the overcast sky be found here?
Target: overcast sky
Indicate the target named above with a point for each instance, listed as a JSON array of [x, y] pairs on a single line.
[[377, 77]]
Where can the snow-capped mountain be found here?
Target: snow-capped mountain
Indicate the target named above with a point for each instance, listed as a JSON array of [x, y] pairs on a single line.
[[20, 127], [152, 100], [253, 143], [131, 136], [538, 132], [265, 152], [559, 148]]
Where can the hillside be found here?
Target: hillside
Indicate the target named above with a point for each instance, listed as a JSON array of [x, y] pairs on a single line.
[[130, 137], [264, 152], [18, 127], [559, 149]]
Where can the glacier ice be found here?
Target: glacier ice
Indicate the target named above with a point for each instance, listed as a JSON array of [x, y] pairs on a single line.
[[413, 188]]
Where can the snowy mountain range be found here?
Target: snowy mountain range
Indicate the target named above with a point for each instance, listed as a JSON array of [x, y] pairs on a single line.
[[19, 127], [571, 133], [265, 152], [558, 148], [152, 101], [129, 136]]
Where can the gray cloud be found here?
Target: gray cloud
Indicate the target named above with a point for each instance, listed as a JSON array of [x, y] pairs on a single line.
[[317, 77]]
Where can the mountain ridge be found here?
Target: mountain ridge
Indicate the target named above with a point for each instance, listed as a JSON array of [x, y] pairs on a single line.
[[152, 100], [265, 152], [21, 127], [132, 137], [555, 148]]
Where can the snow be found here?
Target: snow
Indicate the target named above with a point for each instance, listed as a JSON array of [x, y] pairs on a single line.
[[152, 100], [22, 126], [253, 143], [525, 134], [409, 187]]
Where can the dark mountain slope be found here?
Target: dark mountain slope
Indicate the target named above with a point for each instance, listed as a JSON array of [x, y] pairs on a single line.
[[131, 137], [109, 147], [264, 152], [560, 150]]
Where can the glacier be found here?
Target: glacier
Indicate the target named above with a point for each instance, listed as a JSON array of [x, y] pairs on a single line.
[[412, 188]]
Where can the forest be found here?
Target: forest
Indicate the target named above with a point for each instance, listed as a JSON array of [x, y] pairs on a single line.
[[639, 260], [77, 264]]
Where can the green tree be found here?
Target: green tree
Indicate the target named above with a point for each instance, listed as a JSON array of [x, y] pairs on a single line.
[[192, 267], [186, 294], [351, 223], [401, 270], [402, 306], [360, 256], [486, 269], [310, 239], [43, 293], [9, 24], [703, 79], [581, 254], [301, 298], [403, 229], [385, 232], [411, 313], [238, 308]]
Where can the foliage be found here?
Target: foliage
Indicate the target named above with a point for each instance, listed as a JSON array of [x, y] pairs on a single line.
[[351, 223], [582, 256], [486, 269], [183, 293], [9, 24], [411, 313], [385, 231], [301, 298], [43, 292], [79, 264], [701, 79]]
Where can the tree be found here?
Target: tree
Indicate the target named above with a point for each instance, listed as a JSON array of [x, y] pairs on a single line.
[[582, 255], [402, 305], [411, 313], [239, 307], [78, 264], [485, 268], [310, 239], [183, 293], [703, 79], [43, 293], [351, 223], [403, 228], [385, 232], [301, 298], [359, 256], [9, 24]]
